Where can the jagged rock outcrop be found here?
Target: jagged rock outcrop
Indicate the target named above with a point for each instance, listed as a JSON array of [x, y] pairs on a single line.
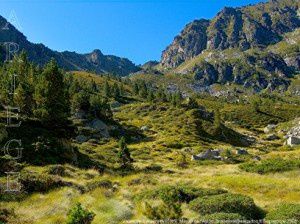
[[293, 62], [257, 70], [191, 42], [245, 27], [40, 54]]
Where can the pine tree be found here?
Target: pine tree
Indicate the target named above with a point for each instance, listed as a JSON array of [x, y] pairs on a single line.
[[80, 215], [217, 122], [136, 88], [192, 103], [107, 89], [143, 90], [80, 101], [176, 99], [50, 96], [116, 91], [122, 89], [21, 76], [150, 96], [124, 154]]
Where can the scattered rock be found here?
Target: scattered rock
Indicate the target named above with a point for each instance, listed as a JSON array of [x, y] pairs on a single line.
[[208, 154], [80, 114], [269, 128], [256, 158], [81, 138], [242, 152], [293, 140], [93, 141], [115, 105], [144, 128], [187, 149], [271, 137], [99, 126]]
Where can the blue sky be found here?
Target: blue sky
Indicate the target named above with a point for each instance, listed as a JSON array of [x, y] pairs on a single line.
[[138, 30]]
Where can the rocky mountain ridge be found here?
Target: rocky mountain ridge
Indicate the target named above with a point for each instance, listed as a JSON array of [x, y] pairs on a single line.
[[256, 46], [40, 54], [246, 27]]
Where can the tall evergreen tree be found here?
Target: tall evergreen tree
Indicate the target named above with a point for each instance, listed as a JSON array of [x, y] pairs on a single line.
[[124, 154], [122, 89], [107, 89], [23, 83], [176, 99], [217, 122], [50, 96], [116, 91], [136, 88]]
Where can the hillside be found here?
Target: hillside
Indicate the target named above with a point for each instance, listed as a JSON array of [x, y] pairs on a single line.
[[79, 162], [245, 27], [247, 46], [40, 54], [211, 134]]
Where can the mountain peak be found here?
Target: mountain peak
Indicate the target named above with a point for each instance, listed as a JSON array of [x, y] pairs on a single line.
[[97, 51], [40, 54], [245, 27]]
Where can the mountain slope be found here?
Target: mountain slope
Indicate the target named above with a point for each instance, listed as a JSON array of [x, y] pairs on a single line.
[[246, 27], [256, 47], [40, 54]]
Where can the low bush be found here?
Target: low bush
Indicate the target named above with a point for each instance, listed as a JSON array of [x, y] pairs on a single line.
[[271, 165], [5, 214], [79, 215], [284, 212], [181, 193], [220, 217], [164, 211], [34, 182], [153, 168], [106, 184], [57, 170], [181, 160], [7, 164], [228, 203]]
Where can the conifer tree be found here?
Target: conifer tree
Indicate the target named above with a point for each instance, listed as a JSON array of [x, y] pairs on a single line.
[[124, 154], [116, 91], [50, 96], [217, 122], [136, 88], [107, 89]]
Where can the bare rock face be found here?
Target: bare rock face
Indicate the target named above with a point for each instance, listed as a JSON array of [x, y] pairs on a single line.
[[293, 62], [246, 27], [189, 43]]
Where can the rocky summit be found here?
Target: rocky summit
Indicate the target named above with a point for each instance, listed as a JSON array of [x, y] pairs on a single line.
[[244, 28], [255, 46]]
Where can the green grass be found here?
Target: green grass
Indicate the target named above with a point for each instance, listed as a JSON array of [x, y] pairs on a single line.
[[271, 165]]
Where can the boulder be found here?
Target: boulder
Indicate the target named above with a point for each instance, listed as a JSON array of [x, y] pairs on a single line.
[[269, 128], [81, 138], [242, 152], [293, 140], [115, 105], [295, 131], [256, 158], [99, 126], [208, 154], [80, 114], [144, 128], [271, 137]]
